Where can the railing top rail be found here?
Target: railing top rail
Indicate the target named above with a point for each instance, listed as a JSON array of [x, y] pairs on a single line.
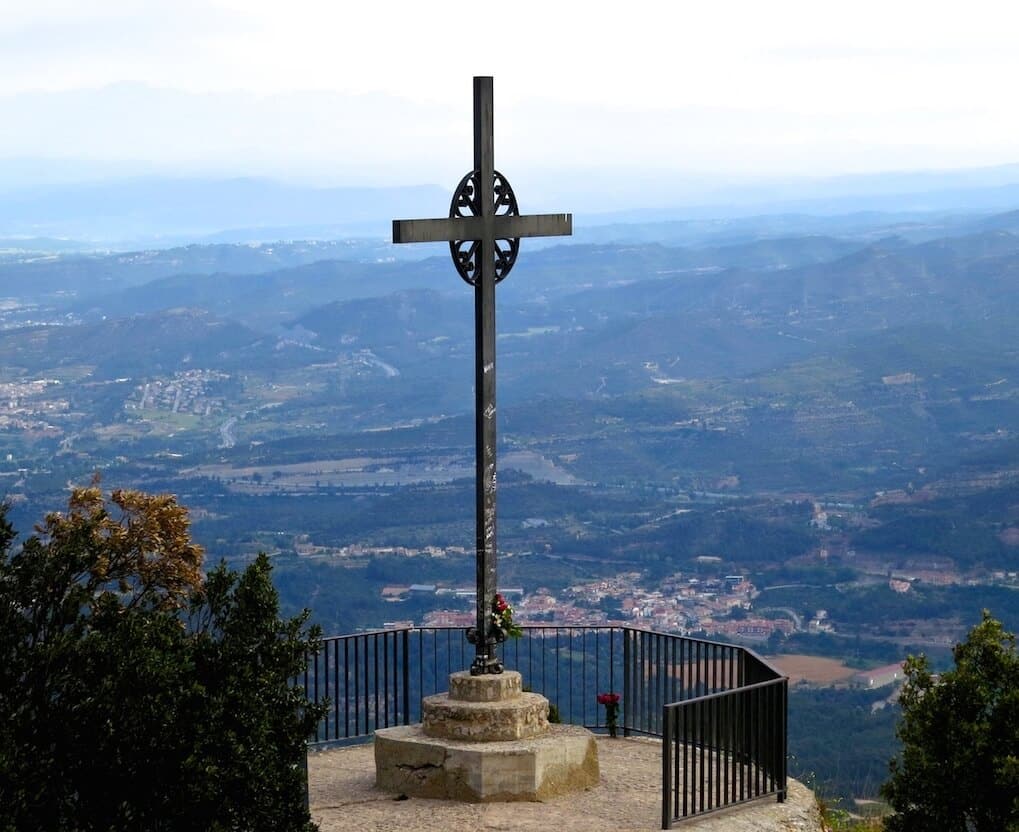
[[696, 700], [360, 633], [525, 626], [708, 641], [554, 626]]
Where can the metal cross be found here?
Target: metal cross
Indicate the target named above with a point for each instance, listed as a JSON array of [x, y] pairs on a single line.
[[483, 229]]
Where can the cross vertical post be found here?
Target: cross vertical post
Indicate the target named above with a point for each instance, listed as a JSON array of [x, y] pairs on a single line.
[[483, 230], [484, 381]]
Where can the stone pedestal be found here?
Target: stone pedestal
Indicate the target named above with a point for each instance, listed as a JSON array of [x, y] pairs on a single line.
[[485, 709], [486, 740]]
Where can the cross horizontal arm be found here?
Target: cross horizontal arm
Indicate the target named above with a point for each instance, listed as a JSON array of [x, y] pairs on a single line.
[[472, 228], [533, 225], [446, 229]]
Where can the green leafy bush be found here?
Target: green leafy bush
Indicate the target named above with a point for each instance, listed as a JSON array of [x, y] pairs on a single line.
[[959, 767], [135, 693]]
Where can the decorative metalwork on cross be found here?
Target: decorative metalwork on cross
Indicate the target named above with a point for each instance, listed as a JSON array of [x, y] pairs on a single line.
[[483, 230]]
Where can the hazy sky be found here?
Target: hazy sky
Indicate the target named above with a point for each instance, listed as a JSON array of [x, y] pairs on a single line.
[[379, 91]]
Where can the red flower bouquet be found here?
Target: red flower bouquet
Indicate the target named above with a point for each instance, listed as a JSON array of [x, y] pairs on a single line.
[[502, 619], [611, 703]]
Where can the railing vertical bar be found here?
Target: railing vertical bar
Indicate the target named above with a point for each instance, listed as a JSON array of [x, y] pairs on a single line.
[[762, 756], [636, 670], [690, 787], [367, 681], [744, 739], [722, 655], [642, 680], [653, 683], [375, 674], [673, 643], [330, 689], [676, 713], [406, 677], [558, 663], [421, 671], [358, 702], [734, 741], [752, 745], [530, 656], [697, 664], [385, 677], [725, 750], [666, 769], [709, 668], [712, 753], [775, 765], [346, 687], [755, 696], [766, 717], [612, 666], [683, 663], [393, 702], [772, 738], [314, 683], [714, 668], [326, 684], [700, 750], [669, 666], [427, 656], [543, 657], [333, 716], [586, 677], [738, 742], [689, 764], [643, 670], [652, 687], [719, 766], [663, 679], [627, 689], [721, 778], [769, 709], [784, 740]]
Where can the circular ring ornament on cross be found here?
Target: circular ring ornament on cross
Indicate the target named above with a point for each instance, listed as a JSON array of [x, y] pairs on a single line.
[[466, 203]]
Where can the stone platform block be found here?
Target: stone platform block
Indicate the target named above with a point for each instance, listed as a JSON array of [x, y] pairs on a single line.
[[486, 687], [407, 761], [519, 718]]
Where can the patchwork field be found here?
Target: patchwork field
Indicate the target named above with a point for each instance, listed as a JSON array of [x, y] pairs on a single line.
[[816, 670]]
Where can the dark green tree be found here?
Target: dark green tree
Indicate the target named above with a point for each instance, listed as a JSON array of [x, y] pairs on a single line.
[[959, 766], [135, 693]]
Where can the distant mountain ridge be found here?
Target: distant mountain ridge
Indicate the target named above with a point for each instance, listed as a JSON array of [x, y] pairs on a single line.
[[174, 207]]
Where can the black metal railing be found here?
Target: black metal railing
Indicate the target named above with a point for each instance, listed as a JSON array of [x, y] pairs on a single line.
[[725, 747], [719, 709]]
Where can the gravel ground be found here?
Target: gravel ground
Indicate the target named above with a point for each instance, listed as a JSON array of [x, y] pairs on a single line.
[[344, 797]]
